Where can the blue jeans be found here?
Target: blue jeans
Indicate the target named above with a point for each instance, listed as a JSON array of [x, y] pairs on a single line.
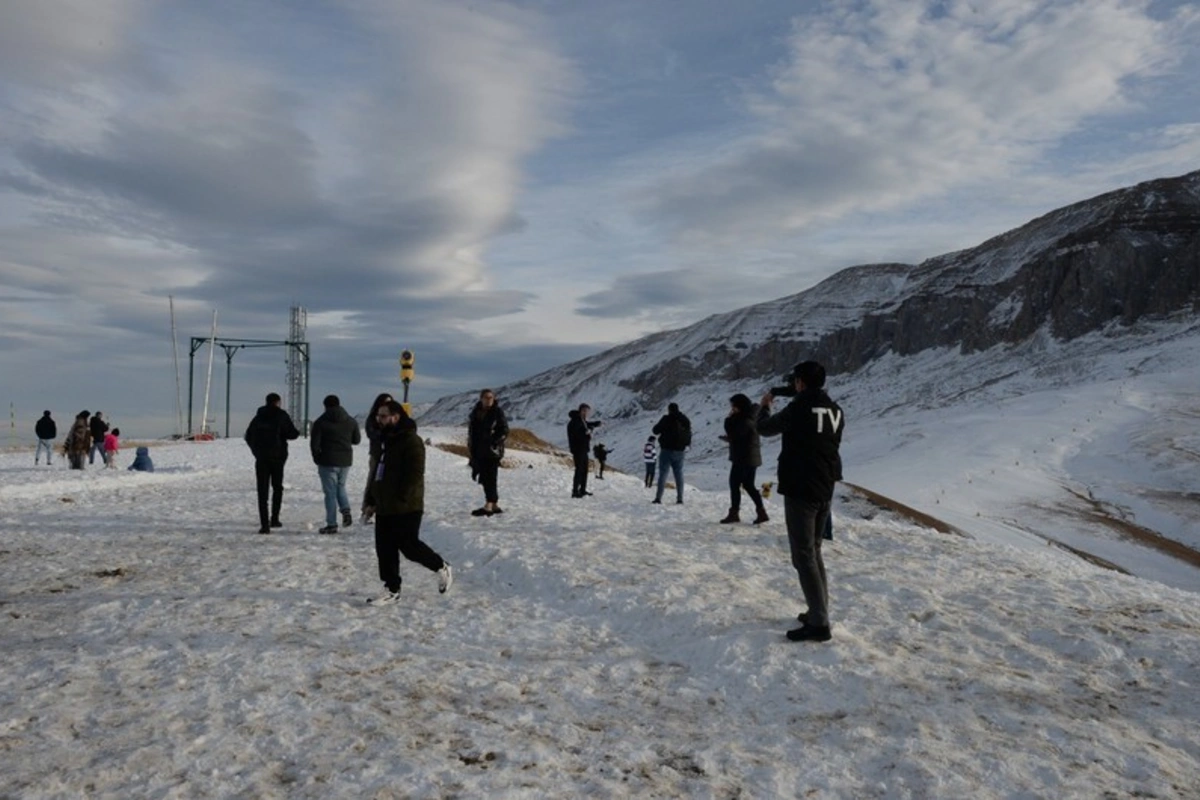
[[672, 460], [48, 446], [333, 484], [97, 447]]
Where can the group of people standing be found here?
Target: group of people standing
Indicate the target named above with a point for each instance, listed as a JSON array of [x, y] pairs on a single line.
[[88, 437], [810, 465], [394, 494], [810, 427]]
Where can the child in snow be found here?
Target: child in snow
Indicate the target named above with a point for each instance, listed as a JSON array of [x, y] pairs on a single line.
[[650, 456], [601, 452], [112, 444], [141, 461]]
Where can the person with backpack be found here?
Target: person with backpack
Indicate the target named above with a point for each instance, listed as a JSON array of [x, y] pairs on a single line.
[[674, 432], [267, 435], [650, 459], [487, 429], [47, 431], [331, 440], [810, 464]]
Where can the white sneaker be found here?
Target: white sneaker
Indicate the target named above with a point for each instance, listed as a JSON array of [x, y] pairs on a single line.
[[445, 577], [385, 599]]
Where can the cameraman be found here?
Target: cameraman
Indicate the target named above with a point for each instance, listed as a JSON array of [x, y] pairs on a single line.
[[809, 466]]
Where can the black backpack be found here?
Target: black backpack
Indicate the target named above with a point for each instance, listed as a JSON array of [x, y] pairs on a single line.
[[684, 428]]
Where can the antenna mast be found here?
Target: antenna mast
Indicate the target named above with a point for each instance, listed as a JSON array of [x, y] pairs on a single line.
[[178, 389], [297, 367], [212, 346]]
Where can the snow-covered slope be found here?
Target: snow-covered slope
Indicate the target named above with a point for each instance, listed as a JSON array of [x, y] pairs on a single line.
[[156, 646], [1090, 310]]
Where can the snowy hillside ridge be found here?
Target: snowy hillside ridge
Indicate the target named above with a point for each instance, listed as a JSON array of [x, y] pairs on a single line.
[[598, 647], [1124, 256]]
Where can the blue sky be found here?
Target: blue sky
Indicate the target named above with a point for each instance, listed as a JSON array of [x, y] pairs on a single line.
[[505, 186]]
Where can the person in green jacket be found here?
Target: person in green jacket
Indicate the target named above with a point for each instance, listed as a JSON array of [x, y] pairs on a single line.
[[396, 499]]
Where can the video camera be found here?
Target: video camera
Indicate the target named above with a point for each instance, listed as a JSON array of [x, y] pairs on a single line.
[[788, 390]]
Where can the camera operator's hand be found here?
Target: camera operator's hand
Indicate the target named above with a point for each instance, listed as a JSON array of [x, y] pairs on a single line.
[[767, 399]]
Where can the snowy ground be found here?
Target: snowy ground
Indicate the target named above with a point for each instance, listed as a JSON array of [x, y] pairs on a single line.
[[156, 646]]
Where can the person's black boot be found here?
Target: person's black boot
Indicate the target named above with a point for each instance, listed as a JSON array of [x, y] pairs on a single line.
[[732, 516], [809, 633]]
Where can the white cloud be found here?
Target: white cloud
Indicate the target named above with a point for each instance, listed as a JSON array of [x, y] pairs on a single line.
[[882, 103]]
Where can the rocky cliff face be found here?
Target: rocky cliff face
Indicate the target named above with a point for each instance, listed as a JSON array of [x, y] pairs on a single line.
[[1121, 257]]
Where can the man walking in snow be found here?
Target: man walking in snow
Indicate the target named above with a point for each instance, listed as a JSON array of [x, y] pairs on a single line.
[[396, 498], [332, 441], [47, 432], [809, 466], [268, 434]]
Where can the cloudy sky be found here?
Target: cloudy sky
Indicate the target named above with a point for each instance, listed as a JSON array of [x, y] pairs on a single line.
[[505, 186]]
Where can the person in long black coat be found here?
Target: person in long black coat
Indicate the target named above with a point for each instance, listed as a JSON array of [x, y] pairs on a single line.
[[745, 457], [487, 430]]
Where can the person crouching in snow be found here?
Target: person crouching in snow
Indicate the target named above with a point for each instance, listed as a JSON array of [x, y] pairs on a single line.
[[141, 461], [396, 498]]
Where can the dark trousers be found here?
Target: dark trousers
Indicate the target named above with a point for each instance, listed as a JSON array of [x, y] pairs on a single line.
[[489, 470], [741, 476], [400, 535], [805, 521], [269, 472], [650, 465], [581, 473]]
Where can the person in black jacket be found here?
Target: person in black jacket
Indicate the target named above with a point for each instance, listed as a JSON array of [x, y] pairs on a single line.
[[98, 427], [809, 466], [579, 440], [486, 431], [396, 499], [47, 432], [268, 434], [674, 433], [332, 439], [745, 457], [374, 437]]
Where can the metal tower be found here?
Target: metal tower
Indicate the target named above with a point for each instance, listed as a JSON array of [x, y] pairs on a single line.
[[297, 368]]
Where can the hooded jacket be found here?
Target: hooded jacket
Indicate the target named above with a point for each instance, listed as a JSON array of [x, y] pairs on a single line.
[[45, 428], [79, 440], [745, 446], [398, 486], [486, 432], [673, 431], [579, 433], [141, 461], [809, 461], [333, 437], [268, 433]]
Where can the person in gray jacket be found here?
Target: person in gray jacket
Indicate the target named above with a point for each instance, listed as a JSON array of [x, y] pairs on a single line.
[[332, 440]]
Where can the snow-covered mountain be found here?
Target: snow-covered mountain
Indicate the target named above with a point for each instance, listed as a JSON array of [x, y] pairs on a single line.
[[1094, 305]]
